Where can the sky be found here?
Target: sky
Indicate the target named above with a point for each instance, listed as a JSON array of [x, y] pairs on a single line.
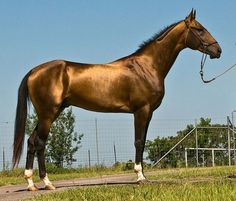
[[34, 32]]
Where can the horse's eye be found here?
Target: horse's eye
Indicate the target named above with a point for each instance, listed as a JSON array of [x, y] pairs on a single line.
[[200, 31]]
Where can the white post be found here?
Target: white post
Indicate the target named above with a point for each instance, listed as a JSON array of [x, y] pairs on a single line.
[[196, 141], [186, 157], [213, 157]]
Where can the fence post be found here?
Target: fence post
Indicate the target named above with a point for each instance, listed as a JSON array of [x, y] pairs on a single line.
[[213, 157], [114, 148], [96, 132], [229, 151], [196, 141], [186, 157], [4, 160], [89, 159], [232, 113]]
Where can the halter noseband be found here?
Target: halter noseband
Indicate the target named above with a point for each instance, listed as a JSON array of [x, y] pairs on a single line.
[[204, 55], [203, 43]]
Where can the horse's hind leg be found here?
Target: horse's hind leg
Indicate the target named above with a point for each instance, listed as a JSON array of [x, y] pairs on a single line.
[[29, 162], [40, 143], [43, 128], [37, 143]]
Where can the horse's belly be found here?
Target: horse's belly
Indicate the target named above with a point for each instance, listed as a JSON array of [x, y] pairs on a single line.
[[99, 104], [99, 99]]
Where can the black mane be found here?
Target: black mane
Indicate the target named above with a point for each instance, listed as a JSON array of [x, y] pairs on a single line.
[[161, 34]]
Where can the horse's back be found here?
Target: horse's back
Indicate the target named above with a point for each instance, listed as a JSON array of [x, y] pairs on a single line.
[[112, 87], [98, 87]]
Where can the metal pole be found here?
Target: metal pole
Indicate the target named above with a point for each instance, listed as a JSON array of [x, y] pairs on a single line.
[[196, 141], [229, 151], [96, 131], [213, 157], [114, 148], [186, 157], [3, 158], [89, 159], [203, 159], [233, 136]]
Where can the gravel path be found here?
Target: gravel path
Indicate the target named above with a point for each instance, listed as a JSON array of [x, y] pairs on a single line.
[[19, 192]]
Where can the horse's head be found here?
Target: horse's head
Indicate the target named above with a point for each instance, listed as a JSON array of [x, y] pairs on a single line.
[[198, 38]]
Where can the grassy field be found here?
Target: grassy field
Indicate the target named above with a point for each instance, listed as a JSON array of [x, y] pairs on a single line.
[[212, 191], [192, 184]]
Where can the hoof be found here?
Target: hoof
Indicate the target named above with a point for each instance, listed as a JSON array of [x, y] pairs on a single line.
[[233, 176], [50, 187], [32, 188], [143, 181]]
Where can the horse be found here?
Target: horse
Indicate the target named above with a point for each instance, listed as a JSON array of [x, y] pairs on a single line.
[[132, 84]]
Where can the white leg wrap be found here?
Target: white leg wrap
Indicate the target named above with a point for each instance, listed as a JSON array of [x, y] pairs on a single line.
[[139, 172], [46, 181], [29, 177]]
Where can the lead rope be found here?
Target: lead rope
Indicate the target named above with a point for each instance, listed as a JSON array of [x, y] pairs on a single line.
[[204, 57]]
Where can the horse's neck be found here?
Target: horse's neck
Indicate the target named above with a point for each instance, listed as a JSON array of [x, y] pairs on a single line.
[[163, 53]]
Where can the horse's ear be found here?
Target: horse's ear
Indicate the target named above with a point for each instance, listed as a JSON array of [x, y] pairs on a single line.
[[194, 14], [191, 16]]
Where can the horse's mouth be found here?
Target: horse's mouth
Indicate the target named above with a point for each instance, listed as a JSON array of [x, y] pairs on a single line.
[[215, 54]]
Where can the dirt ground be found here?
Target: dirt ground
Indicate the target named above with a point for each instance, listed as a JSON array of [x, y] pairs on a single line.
[[19, 192]]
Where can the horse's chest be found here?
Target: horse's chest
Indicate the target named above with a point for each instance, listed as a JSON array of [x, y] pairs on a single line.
[[157, 97]]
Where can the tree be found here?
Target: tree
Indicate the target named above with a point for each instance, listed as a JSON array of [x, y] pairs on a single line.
[[207, 137], [157, 148], [63, 142]]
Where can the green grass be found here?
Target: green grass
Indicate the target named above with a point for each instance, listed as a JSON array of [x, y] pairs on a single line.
[[16, 176], [184, 173], [192, 184], [221, 190]]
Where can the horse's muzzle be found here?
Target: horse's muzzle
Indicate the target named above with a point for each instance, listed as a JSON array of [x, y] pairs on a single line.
[[216, 53]]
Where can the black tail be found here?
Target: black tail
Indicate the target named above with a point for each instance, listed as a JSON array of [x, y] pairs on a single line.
[[21, 115]]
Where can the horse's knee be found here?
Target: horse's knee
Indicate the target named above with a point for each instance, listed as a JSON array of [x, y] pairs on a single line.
[[40, 144], [139, 144], [31, 144]]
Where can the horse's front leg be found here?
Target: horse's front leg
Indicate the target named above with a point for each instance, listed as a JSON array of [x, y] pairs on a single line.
[[141, 122]]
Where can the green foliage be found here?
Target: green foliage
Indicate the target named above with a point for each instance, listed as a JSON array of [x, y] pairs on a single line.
[[63, 142], [129, 165], [158, 148], [213, 138]]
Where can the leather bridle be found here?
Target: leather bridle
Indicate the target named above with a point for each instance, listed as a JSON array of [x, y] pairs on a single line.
[[204, 52]]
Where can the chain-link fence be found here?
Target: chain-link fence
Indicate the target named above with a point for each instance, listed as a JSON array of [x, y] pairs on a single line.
[[105, 141]]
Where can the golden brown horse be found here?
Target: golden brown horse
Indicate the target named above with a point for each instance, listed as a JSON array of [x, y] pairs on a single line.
[[133, 84]]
